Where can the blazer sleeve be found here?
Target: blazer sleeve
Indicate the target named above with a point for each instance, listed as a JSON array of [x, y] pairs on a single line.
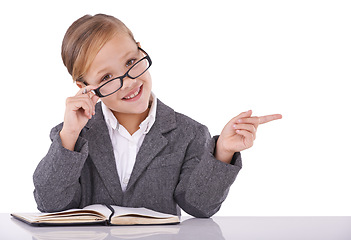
[[204, 181], [56, 178]]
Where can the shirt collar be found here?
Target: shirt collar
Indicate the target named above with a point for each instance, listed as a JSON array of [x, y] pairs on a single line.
[[110, 119], [149, 121], [151, 118]]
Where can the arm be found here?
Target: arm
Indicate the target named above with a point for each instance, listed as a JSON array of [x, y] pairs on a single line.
[[211, 165], [56, 178], [204, 181]]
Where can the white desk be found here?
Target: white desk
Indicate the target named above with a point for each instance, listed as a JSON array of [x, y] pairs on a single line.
[[217, 228]]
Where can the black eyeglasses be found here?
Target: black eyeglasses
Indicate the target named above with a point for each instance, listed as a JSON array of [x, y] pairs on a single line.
[[115, 84]]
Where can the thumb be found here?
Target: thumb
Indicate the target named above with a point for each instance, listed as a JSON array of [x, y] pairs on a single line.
[[228, 128], [95, 99], [241, 115]]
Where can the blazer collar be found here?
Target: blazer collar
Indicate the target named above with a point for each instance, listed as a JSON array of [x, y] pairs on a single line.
[[154, 141], [165, 118], [102, 151]]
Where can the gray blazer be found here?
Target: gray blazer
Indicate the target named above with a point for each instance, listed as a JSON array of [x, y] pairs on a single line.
[[174, 167]]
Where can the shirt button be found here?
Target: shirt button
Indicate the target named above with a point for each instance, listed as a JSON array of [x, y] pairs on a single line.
[[125, 180]]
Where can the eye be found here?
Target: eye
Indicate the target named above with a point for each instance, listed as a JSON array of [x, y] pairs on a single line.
[[130, 62], [106, 77]]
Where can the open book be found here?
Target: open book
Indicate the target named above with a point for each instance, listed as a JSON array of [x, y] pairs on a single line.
[[99, 214]]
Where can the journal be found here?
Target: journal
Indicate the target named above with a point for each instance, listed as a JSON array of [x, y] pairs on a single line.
[[99, 214]]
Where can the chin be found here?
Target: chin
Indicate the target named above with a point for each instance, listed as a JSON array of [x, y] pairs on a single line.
[[139, 109]]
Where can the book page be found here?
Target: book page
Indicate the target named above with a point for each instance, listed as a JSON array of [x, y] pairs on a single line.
[[99, 208], [59, 219], [124, 211], [90, 213]]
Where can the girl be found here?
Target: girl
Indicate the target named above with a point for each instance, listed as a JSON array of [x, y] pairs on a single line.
[[130, 149]]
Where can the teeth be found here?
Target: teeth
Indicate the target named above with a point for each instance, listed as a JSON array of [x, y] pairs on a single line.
[[133, 95]]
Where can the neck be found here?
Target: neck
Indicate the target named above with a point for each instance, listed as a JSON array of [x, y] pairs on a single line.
[[130, 121]]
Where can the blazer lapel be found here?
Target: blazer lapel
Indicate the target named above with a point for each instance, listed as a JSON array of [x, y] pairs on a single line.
[[154, 141], [101, 153]]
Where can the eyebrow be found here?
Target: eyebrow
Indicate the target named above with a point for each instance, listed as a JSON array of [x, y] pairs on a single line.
[[101, 71], [123, 57]]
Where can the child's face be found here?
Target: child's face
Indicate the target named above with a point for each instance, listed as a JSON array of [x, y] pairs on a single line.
[[114, 60]]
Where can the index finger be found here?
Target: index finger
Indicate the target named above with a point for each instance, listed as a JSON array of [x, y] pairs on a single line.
[[269, 118], [87, 89]]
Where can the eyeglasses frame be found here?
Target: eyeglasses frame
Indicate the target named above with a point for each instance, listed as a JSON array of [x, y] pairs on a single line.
[[97, 90]]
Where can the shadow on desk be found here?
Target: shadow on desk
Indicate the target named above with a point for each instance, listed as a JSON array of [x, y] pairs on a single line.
[[192, 228]]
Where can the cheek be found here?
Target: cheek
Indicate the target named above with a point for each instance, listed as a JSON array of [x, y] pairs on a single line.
[[146, 77], [147, 80], [112, 101]]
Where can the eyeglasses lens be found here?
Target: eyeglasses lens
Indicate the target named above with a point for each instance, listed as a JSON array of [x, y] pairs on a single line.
[[135, 71]]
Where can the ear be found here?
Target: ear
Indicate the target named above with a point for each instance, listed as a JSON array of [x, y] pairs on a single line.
[[80, 84]]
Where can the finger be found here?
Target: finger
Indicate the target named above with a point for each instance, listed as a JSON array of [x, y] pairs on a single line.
[[269, 118], [241, 115], [247, 127], [87, 94], [95, 99], [259, 120], [87, 89], [250, 120], [248, 137], [81, 91], [91, 87], [83, 105], [91, 105], [83, 102]]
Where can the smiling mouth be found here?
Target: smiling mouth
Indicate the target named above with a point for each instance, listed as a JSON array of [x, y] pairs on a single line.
[[134, 94]]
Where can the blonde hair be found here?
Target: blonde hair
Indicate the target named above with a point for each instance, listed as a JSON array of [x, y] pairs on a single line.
[[84, 39]]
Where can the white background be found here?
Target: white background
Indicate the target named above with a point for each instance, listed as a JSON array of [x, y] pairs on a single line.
[[211, 61]]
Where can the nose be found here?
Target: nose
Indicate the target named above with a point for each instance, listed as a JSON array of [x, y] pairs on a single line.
[[128, 83]]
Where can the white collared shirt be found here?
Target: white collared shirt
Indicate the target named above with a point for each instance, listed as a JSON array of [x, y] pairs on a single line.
[[126, 146]]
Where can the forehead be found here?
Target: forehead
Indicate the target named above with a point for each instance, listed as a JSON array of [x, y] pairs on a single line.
[[117, 48], [113, 53]]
